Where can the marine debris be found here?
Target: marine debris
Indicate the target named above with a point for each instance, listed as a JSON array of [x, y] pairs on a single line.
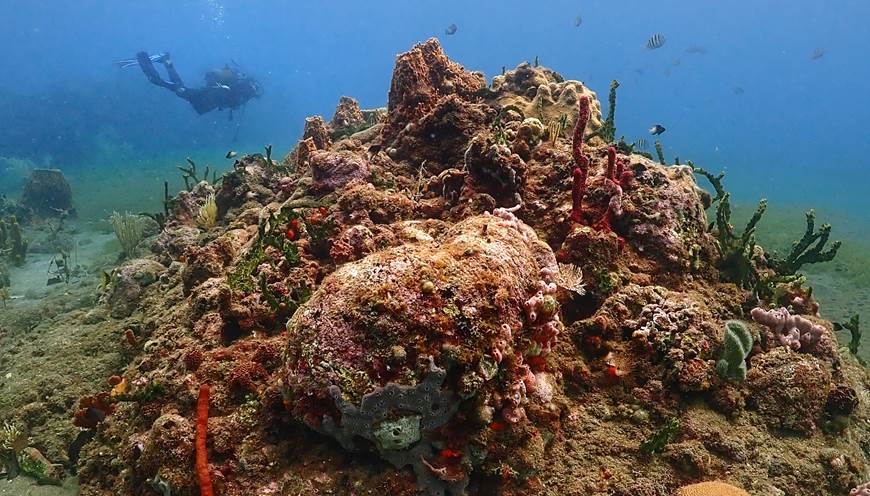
[[459, 292]]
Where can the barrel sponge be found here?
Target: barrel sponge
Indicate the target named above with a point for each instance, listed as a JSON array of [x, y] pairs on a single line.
[[711, 488]]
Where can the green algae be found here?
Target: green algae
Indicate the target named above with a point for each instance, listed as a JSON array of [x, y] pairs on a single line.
[[738, 344], [656, 442], [853, 325], [841, 286]]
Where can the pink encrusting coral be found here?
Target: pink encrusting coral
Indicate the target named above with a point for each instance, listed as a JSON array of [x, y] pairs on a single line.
[[793, 331], [862, 490], [542, 315]]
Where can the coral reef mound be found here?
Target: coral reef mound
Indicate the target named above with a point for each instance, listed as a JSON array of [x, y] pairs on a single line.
[[458, 295]]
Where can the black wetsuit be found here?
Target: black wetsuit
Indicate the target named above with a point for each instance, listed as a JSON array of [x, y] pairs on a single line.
[[225, 88]]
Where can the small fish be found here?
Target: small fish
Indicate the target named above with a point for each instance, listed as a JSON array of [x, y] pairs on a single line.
[[676, 62], [641, 144], [231, 154], [451, 29], [655, 41], [817, 53], [738, 90], [373, 150], [578, 21], [696, 49], [656, 130]]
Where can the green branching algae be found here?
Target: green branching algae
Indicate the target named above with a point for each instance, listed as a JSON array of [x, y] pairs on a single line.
[[37, 470], [498, 129], [854, 328], [189, 174], [608, 129], [715, 180], [809, 249], [660, 438], [660, 153], [149, 393], [738, 260], [272, 232], [737, 251]]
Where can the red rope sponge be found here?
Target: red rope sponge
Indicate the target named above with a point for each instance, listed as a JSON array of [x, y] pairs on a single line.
[[611, 164], [581, 162], [202, 471]]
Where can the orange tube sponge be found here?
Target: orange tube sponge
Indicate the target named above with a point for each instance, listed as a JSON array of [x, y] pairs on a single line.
[[202, 471]]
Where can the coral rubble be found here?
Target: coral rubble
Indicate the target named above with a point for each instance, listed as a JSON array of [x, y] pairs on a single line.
[[453, 298]]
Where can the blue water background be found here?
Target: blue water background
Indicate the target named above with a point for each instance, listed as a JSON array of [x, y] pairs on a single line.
[[797, 135]]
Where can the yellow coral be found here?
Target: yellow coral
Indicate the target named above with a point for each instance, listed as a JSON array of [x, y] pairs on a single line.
[[711, 488]]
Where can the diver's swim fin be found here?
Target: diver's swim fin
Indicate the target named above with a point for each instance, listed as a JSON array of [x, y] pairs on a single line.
[[147, 67], [125, 63]]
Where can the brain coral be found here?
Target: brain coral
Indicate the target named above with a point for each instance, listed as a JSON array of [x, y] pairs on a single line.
[[712, 488], [384, 350]]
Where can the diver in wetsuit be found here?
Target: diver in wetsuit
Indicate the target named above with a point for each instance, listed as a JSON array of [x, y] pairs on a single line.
[[225, 88]]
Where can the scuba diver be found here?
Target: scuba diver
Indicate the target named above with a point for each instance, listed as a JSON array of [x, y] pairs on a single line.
[[226, 88]]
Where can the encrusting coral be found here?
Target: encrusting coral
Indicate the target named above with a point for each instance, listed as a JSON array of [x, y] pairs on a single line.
[[457, 299]]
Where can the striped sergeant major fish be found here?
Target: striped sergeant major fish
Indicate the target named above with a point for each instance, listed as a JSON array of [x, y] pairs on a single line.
[[655, 41]]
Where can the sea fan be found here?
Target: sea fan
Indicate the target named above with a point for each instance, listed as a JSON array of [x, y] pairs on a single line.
[[570, 277], [129, 229]]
